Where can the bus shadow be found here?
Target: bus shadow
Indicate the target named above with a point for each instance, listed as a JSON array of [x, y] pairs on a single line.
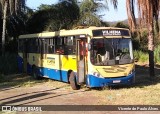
[[143, 78], [45, 91], [25, 99], [15, 81], [5, 88]]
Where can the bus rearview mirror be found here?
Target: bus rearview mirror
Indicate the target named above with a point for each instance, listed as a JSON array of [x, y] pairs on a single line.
[[89, 47]]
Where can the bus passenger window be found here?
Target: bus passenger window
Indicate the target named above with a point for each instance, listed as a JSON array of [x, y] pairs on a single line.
[[59, 45], [51, 46], [69, 45]]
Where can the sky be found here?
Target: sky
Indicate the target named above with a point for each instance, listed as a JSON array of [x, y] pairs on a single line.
[[112, 15]]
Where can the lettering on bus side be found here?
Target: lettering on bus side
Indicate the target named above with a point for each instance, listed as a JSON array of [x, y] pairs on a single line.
[[51, 61]]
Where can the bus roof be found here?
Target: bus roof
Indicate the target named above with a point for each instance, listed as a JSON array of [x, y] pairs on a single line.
[[84, 31]]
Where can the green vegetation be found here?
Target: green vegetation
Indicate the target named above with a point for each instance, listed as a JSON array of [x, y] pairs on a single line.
[[8, 63], [121, 25], [142, 56], [53, 17], [157, 54], [24, 80], [147, 95], [18, 80]]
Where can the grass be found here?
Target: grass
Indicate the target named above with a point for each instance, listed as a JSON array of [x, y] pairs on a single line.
[[148, 95], [8, 112], [18, 80], [24, 80], [157, 54], [143, 57]]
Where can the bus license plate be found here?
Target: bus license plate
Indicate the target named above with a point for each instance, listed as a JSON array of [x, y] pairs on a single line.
[[116, 81]]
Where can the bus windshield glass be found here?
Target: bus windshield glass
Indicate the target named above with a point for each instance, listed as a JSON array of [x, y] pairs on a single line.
[[111, 51]]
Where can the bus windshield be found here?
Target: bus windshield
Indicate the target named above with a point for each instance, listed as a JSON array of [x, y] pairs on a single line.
[[111, 51]]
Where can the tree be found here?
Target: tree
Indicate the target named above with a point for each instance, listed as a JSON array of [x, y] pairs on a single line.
[[89, 11], [88, 14], [9, 7], [54, 17], [148, 14], [121, 25]]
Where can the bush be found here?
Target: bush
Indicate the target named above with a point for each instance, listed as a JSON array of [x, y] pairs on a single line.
[[8, 63], [157, 54], [140, 41], [142, 56]]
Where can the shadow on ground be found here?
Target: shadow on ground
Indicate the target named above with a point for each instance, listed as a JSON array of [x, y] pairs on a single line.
[[143, 78], [32, 97], [18, 80], [8, 82]]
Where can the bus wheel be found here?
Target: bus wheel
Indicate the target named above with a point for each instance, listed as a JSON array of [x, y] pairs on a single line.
[[73, 82], [34, 73]]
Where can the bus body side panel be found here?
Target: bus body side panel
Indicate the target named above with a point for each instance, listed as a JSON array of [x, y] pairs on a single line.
[[33, 59], [29, 68], [49, 67], [68, 62], [53, 74], [57, 66]]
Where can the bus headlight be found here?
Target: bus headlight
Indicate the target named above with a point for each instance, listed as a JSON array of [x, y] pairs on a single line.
[[131, 72], [96, 74]]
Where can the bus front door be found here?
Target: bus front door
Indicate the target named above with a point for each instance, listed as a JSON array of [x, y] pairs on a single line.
[[81, 60]]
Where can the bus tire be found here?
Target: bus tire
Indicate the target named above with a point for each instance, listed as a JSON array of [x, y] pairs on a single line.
[[73, 82], [34, 73]]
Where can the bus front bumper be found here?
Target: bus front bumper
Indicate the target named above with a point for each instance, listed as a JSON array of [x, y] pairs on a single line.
[[93, 81]]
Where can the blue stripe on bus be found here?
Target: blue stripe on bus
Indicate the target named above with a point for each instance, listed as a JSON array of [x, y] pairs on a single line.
[[54, 74], [20, 64], [29, 68], [93, 81]]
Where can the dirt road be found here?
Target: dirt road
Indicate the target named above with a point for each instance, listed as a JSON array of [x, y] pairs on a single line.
[[48, 95]]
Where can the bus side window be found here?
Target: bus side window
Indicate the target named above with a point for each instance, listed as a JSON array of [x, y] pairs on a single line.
[[51, 46], [59, 45], [44, 49], [70, 45]]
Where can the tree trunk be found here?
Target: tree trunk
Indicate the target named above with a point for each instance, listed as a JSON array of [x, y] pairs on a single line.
[[151, 49], [4, 26]]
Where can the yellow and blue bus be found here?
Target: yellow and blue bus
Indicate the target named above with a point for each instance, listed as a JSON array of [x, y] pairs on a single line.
[[95, 56]]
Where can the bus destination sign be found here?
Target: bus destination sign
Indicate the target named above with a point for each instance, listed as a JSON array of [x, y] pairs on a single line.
[[110, 32]]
